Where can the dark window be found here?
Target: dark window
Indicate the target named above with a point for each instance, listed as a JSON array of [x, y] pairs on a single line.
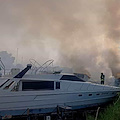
[[79, 75], [104, 93], [80, 95], [71, 78], [41, 85], [90, 94], [98, 94], [57, 85]]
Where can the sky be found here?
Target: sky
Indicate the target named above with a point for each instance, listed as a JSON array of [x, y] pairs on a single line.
[[80, 34]]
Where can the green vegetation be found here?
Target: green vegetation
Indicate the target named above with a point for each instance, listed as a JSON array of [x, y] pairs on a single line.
[[112, 112]]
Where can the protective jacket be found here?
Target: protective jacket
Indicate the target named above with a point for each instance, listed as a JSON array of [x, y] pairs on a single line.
[[102, 77]]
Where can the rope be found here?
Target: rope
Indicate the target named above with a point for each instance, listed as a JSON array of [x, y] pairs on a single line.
[[97, 113], [25, 111], [117, 100]]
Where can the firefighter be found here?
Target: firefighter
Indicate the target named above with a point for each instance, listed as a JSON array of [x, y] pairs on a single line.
[[102, 78]]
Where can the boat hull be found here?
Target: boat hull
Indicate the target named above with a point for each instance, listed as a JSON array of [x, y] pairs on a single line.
[[20, 104]]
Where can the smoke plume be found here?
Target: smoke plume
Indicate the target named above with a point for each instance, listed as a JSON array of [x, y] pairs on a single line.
[[112, 27], [80, 34]]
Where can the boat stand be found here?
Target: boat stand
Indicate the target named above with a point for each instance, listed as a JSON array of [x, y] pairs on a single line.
[[60, 113]]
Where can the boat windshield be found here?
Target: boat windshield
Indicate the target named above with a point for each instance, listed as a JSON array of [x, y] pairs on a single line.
[[71, 78]]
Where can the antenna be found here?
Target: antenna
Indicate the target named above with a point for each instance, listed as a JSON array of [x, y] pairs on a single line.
[[17, 57]]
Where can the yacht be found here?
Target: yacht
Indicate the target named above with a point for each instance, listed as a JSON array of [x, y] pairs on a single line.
[[44, 92]]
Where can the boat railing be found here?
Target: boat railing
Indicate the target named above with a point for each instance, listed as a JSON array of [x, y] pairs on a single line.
[[2, 66], [38, 68]]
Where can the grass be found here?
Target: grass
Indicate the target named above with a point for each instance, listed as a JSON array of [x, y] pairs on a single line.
[[112, 112]]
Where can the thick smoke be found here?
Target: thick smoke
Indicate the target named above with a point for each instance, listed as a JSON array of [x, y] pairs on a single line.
[[112, 27], [80, 34]]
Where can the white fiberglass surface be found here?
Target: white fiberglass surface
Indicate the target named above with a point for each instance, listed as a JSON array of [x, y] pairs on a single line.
[[2, 81]]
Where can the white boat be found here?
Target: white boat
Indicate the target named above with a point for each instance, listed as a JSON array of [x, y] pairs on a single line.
[[42, 93]]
